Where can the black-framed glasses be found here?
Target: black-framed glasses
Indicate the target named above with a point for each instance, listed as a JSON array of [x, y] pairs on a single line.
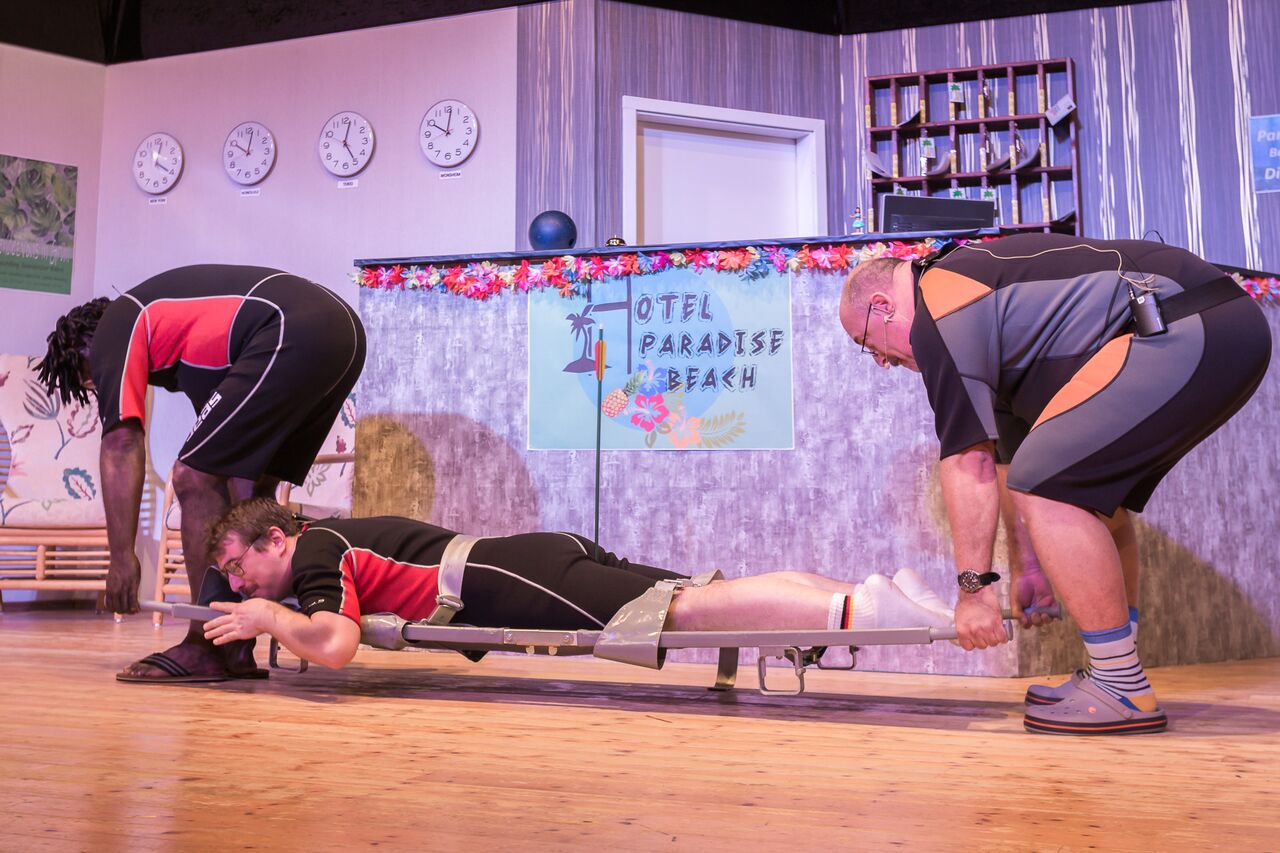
[[866, 327], [235, 568]]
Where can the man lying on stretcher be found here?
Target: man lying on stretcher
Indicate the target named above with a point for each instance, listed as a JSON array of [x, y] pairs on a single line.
[[340, 569]]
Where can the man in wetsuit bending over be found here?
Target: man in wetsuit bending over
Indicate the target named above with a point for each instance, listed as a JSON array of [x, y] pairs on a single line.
[[1040, 352], [267, 359]]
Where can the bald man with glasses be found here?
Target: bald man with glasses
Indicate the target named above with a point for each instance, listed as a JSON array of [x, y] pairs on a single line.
[[1079, 371]]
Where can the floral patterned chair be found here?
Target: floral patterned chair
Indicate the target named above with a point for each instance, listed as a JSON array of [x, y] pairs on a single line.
[[53, 533]]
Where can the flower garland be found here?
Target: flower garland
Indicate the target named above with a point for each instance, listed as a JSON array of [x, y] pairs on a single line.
[[571, 274], [1265, 289]]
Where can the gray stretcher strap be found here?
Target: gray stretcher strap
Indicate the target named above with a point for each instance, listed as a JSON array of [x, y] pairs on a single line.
[[632, 635], [453, 565]]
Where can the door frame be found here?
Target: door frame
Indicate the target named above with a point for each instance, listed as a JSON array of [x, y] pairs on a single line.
[[810, 137]]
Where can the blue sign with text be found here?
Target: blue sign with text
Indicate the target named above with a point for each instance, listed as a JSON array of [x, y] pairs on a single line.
[[1264, 133], [693, 360]]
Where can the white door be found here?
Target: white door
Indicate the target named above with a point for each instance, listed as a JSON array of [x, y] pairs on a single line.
[[703, 174]]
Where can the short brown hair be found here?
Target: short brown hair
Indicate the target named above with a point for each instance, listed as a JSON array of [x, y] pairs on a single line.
[[865, 279], [250, 521]]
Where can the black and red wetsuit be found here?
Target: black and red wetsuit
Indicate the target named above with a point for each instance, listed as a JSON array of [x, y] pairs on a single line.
[[549, 581], [266, 358], [1028, 341]]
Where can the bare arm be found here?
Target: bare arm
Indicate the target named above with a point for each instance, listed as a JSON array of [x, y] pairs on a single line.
[[122, 460], [971, 492], [328, 639]]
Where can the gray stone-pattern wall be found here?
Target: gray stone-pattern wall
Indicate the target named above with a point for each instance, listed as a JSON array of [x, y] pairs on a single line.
[[443, 437]]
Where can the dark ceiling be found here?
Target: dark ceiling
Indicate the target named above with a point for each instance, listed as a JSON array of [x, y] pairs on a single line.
[[111, 31]]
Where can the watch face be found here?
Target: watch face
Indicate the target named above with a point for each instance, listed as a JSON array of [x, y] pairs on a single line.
[[346, 144], [448, 133], [969, 581], [158, 163], [249, 153]]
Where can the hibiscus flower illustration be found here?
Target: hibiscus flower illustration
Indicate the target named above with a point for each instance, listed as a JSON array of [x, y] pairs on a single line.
[[650, 411], [684, 431]]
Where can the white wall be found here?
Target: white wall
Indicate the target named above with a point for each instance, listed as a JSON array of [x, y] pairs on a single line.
[[302, 222], [52, 110], [92, 116]]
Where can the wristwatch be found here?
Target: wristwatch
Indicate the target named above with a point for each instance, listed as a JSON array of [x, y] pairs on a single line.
[[971, 581]]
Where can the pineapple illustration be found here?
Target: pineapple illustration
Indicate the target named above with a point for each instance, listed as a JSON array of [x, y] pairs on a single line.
[[617, 399]]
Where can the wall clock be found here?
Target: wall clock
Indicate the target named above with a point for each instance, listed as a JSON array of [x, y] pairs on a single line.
[[158, 163], [448, 133], [249, 153], [346, 144]]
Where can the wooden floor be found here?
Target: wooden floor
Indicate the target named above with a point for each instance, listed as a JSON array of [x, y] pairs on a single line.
[[425, 751]]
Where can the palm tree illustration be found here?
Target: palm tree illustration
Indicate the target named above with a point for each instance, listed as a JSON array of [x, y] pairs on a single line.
[[580, 325]]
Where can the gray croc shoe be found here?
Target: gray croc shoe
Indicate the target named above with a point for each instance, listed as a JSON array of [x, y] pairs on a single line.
[[1046, 694], [1087, 709]]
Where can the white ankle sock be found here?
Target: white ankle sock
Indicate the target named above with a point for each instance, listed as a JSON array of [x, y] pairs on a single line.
[[878, 603]]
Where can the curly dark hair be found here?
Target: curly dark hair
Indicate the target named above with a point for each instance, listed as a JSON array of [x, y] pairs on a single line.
[[59, 370]]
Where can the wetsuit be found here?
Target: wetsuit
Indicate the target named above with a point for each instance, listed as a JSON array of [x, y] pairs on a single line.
[[266, 358], [1029, 341], [549, 581]]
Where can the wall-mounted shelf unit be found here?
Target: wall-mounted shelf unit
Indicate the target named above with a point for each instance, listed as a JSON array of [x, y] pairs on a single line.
[[1005, 133]]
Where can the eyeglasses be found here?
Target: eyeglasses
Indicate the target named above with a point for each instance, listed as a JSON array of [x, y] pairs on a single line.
[[235, 568], [881, 358], [866, 327]]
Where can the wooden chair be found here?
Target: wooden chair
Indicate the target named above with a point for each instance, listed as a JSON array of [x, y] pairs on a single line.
[[54, 557]]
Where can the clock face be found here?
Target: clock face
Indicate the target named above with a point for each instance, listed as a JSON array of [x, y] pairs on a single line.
[[346, 144], [448, 133], [158, 163], [249, 153]]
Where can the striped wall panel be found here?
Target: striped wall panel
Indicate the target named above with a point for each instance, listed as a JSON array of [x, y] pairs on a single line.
[[1165, 90]]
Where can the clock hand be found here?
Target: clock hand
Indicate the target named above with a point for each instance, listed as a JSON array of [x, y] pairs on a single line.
[[345, 135], [438, 127], [349, 151], [447, 130], [249, 150]]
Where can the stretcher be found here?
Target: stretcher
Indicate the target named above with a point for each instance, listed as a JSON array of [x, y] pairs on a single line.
[[799, 648]]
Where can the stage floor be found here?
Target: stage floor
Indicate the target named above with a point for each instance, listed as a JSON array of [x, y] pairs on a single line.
[[426, 751]]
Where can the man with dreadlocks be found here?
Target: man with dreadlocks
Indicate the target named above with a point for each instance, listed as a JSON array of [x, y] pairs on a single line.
[[267, 360]]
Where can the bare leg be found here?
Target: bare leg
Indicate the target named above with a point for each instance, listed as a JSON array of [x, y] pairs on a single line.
[[241, 489], [1028, 581], [770, 602], [1126, 539], [1022, 556], [1081, 559], [203, 498], [816, 581]]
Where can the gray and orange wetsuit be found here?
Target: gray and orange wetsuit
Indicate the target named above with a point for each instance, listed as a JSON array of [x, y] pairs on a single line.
[[1028, 341]]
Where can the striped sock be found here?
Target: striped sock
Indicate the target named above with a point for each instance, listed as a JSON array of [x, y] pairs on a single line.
[[845, 611], [839, 612], [1114, 666]]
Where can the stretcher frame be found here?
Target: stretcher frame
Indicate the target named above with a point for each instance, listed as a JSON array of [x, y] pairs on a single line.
[[801, 648]]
